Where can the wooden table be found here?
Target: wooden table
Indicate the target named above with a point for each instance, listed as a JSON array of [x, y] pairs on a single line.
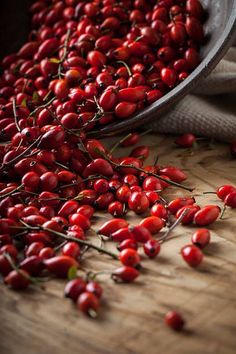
[[131, 316]]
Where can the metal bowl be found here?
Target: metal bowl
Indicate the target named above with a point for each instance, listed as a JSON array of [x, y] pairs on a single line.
[[221, 29]]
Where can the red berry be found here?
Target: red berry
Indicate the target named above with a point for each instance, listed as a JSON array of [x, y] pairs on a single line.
[[129, 257], [122, 234], [17, 279], [60, 265], [207, 215], [153, 223], [160, 211], [178, 203], [74, 288], [109, 227], [201, 238], [186, 140], [174, 320], [138, 202], [94, 288], [71, 249], [224, 190], [151, 248], [128, 243], [88, 303], [192, 255], [125, 274], [169, 77], [141, 234], [80, 220], [230, 200]]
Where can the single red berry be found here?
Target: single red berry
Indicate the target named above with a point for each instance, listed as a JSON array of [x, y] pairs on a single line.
[[207, 215], [201, 238], [141, 234], [122, 234], [88, 303], [5, 265], [94, 288], [153, 223], [138, 202], [153, 197], [186, 140], [224, 190], [132, 139], [71, 249], [123, 194], [17, 279], [230, 200], [117, 209], [128, 243], [46, 253], [74, 288], [60, 265], [189, 211], [174, 173], [192, 255], [101, 185], [151, 248], [80, 220], [86, 210], [109, 227], [169, 77], [178, 203], [129, 257], [9, 249], [174, 320], [160, 211], [125, 274], [32, 265]]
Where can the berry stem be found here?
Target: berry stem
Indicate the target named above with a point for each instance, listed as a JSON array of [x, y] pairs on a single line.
[[17, 158], [143, 171], [12, 192], [70, 238], [126, 65], [15, 114], [173, 226]]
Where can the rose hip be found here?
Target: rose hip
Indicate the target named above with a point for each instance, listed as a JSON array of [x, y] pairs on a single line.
[[88, 303], [201, 238], [174, 320], [192, 255], [151, 248], [129, 257], [125, 274], [207, 215], [74, 288]]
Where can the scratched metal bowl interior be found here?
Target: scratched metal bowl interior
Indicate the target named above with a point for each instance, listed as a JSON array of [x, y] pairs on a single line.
[[220, 29]]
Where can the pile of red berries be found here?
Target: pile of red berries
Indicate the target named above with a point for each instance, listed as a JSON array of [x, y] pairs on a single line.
[[97, 61], [85, 65]]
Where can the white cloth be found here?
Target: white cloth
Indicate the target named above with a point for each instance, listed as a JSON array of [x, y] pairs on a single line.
[[211, 109]]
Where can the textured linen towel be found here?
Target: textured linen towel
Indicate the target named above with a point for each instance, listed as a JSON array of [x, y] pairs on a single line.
[[211, 109]]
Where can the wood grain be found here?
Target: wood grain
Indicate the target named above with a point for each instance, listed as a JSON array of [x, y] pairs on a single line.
[[131, 321]]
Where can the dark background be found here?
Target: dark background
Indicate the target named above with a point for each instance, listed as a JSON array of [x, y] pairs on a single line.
[[14, 25]]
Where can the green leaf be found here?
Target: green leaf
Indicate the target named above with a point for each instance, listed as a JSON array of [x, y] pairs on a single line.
[[24, 103], [55, 60], [35, 96], [72, 273]]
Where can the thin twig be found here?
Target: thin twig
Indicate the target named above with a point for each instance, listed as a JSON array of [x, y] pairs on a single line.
[[173, 226], [15, 114], [143, 171]]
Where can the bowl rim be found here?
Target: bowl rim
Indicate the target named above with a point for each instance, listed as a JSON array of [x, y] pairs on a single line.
[[202, 70]]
